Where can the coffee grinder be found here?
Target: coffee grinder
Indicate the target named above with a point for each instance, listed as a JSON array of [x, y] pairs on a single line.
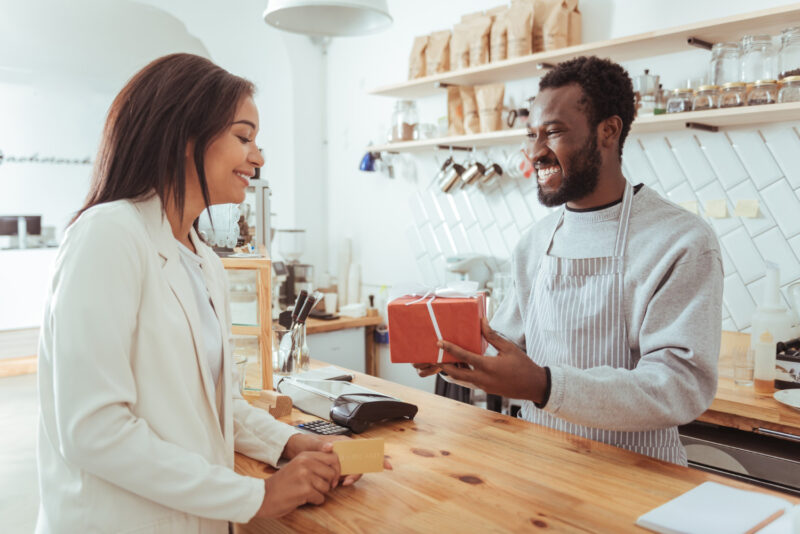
[[300, 276]]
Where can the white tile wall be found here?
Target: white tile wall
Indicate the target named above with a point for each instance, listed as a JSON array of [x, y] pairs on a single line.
[[733, 165]]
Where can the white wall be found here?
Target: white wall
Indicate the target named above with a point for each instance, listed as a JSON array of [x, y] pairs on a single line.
[[403, 231]]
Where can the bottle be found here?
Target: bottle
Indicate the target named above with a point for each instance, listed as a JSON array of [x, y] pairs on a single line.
[[771, 323]]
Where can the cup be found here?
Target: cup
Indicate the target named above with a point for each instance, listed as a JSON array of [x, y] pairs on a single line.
[[473, 172], [743, 364], [330, 302], [285, 359], [451, 177], [240, 368]]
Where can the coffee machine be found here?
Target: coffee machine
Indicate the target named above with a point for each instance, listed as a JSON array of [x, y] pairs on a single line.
[[299, 276]]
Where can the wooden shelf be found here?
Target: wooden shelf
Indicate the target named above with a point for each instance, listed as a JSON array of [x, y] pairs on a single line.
[[638, 46], [719, 118]]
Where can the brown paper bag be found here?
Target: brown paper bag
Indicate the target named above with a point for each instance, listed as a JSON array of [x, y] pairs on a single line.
[[459, 47], [437, 54], [541, 11], [519, 23], [490, 106], [479, 28], [498, 36], [556, 28], [469, 17], [472, 122], [416, 62], [575, 27], [455, 112]]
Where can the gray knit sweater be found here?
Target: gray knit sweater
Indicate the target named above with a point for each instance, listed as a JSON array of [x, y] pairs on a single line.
[[673, 306]]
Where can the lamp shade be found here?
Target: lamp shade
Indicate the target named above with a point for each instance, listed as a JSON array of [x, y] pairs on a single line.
[[328, 17]]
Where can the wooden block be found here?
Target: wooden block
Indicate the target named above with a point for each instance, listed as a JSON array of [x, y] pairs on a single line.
[[278, 405]]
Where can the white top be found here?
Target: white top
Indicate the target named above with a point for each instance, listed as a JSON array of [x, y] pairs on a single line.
[[212, 336]]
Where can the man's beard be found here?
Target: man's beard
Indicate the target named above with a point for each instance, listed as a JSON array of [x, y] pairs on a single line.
[[582, 179]]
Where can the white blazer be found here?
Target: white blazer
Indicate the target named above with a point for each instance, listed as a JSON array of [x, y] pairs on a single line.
[[131, 438]]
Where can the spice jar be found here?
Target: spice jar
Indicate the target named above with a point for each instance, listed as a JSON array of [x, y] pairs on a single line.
[[725, 63], [705, 98], [789, 55], [733, 95], [790, 92], [759, 58], [763, 92], [404, 120], [681, 100]]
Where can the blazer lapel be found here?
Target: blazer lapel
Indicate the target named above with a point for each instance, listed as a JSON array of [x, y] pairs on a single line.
[[178, 280]]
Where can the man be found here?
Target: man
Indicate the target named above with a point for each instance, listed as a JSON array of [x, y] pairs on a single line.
[[613, 329]]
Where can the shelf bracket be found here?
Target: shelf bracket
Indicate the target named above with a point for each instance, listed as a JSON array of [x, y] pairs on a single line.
[[450, 147], [545, 66], [444, 85], [701, 126], [699, 43]]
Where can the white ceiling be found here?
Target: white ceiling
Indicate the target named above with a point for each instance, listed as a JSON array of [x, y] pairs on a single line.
[[93, 44]]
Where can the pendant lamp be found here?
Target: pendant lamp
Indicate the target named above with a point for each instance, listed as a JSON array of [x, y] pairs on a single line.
[[333, 18]]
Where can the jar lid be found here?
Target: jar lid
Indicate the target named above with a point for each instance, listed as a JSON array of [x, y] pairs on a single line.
[[730, 85], [729, 45], [709, 87], [789, 79], [682, 90], [764, 82]]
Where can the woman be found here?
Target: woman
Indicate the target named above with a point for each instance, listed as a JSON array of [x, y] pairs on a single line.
[[139, 415]]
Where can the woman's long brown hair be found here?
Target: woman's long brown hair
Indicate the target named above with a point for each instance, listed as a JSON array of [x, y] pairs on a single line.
[[174, 100]]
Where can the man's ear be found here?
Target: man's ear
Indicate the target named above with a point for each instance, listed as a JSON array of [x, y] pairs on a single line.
[[608, 131]]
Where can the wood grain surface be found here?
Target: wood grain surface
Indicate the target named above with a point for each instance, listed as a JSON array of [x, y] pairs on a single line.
[[317, 326], [458, 468]]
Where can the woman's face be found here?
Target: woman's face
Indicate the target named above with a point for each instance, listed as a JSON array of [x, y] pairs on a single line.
[[231, 159]]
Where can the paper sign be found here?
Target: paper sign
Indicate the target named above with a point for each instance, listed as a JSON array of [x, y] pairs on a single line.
[[358, 456], [746, 208], [690, 205], [717, 208]]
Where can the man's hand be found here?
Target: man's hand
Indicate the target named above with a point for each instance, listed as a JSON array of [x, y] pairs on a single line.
[[511, 373]]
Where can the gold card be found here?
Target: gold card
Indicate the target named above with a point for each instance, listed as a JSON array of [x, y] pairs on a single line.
[[358, 456]]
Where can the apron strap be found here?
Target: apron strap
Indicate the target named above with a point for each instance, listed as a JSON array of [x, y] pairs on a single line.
[[624, 218]]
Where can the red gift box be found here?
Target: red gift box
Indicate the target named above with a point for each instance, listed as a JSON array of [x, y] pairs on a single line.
[[412, 335]]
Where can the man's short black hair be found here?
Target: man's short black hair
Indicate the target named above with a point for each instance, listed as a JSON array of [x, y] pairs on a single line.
[[606, 86]]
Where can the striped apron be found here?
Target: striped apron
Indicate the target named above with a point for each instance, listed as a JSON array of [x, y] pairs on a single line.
[[575, 317]]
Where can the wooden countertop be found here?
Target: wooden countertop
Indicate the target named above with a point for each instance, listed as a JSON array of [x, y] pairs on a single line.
[[316, 326], [462, 468], [739, 406]]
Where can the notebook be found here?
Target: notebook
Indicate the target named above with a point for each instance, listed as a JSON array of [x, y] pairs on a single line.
[[712, 507]]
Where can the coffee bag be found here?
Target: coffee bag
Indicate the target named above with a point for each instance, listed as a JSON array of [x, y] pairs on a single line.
[[437, 54], [479, 29], [519, 27], [472, 123], [498, 36], [459, 47], [455, 112], [490, 106], [416, 61]]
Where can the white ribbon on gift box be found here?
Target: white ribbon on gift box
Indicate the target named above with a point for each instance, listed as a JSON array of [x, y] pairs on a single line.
[[454, 290]]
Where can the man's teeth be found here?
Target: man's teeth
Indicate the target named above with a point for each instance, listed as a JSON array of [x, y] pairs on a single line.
[[547, 171]]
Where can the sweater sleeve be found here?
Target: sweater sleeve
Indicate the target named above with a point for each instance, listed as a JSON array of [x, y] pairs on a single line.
[[675, 379]]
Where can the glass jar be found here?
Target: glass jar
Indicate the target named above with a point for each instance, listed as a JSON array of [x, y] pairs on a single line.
[[759, 58], [763, 92], [725, 63], [404, 121], [790, 92], [733, 95], [705, 98], [681, 100], [789, 55]]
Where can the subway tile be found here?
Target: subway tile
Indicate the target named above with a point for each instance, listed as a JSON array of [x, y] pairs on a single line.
[[638, 168], [461, 241], [722, 158], [784, 143], [756, 290], [478, 241], [774, 247], [727, 265], [465, 210], [538, 210], [429, 239], [520, 213], [497, 245], [725, 313], [415, 241], [511, 237], [659, 189], [744, 255], [431, 203], [500, 210], [682, 193], [445, 240], [738, 301], [756, 157], [482, 211], [427, 272], [784, 205], [440, 269], [417, 208], [662, 160], [447, 202], [794, 243], [714, 191], [729, 325], [764, 221], [691, 159]]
